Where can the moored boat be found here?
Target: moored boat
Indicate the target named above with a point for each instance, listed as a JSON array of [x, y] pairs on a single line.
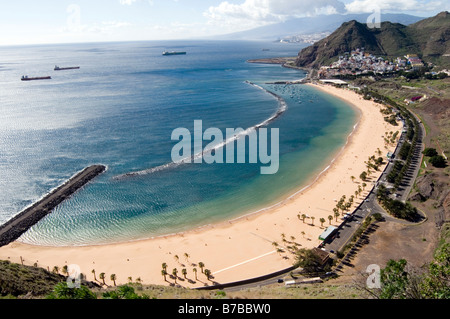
[[57, 68], [174, 53], [26, 78]]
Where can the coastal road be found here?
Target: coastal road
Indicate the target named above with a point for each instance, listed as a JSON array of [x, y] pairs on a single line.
[[370, 205]]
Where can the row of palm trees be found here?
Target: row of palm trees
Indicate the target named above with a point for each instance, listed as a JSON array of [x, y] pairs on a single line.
[[102, 277], [184, 271], [65, 271], [344, 205], [302, 217]]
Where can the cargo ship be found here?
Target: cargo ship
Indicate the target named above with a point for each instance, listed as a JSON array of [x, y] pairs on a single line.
[[26, 78], [174, 53], [57, 68]]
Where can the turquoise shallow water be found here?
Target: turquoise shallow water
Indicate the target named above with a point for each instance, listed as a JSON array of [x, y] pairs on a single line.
[[120, 109]]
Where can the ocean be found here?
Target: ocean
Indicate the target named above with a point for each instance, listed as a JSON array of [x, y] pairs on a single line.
[[120, 109]]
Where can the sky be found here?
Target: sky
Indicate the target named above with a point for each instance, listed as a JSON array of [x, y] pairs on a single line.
[[68, 21]]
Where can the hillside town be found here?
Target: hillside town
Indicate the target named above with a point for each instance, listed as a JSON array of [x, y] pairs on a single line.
[[305, 38], [360, 62]]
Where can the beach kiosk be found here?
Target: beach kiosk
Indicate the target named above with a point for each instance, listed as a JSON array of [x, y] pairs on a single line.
[[327, 233]]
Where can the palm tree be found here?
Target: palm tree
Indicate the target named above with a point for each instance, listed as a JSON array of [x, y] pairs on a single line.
[[280, 251], [322, 220], [201, 265], [292, 238], [164, 266], [207, 273], [274, 244], [65, 270], [348, 205], [364, 186], [330, 218], [130, 279], [176, 258], [312, 218], [93, 271], [102, 277], [56, 270], [336, 212], [164, 274], [195, 272], [303, 234], [184, 272], [186, 256], [175, 273], [113, 278], [303, 217], [353, 178]]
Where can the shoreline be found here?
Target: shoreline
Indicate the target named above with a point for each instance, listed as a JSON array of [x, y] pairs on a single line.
[[246, 241], [307, 183]]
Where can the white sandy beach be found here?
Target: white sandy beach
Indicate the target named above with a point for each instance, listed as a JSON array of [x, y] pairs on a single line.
[[240, 249]]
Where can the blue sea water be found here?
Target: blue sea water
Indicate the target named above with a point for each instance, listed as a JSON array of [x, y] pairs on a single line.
[[120, 108]]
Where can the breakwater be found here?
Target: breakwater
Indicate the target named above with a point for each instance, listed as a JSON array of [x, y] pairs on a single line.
[[20, 223], [282, 107]]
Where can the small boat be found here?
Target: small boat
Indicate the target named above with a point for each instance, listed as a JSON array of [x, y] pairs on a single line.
[[57, 68], [174, 53], [26, 78]]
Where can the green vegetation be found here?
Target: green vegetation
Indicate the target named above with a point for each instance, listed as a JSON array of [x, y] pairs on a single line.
[[311, 262], [17, 280], [396, 208], [399, 281], [124, 292], [430, 152], [435, 159], [438, 161], [62, 291]]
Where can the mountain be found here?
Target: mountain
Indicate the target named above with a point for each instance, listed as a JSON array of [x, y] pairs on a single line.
[[429, 38], [311, 25]]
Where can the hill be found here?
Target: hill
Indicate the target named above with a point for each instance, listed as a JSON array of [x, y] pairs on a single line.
[[310, 25], [428, 38]]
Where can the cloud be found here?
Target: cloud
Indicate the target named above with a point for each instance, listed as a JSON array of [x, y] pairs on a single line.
[[127, 2], [104, 27], [360, 6], [252, 13], [305, 7], [130, 2]]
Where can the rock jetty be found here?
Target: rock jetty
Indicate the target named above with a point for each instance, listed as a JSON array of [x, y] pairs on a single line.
[[20, 223]]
